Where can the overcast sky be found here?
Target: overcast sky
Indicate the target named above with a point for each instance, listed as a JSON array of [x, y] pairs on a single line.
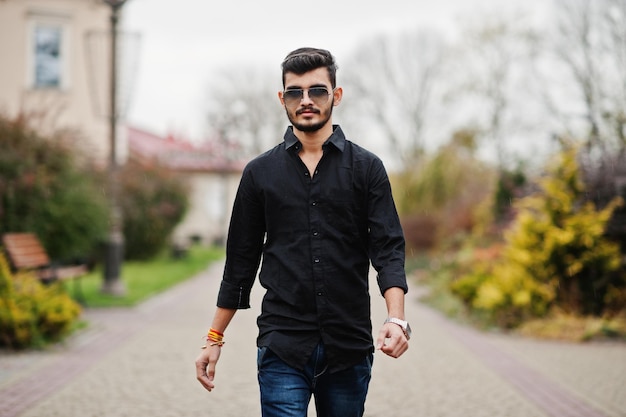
[[182, 42]]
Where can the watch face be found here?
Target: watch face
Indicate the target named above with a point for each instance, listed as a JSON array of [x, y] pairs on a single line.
[[408, 329]]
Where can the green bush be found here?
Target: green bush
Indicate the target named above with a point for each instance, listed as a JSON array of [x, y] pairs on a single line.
[[556, 255], [439, 198], [32, 314], [508, 187], [45, 188], [153, 202]]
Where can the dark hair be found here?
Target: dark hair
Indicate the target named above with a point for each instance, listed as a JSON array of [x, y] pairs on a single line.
[[308, 59]]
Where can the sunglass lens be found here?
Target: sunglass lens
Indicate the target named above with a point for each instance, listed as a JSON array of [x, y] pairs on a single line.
[[292, 95], [318, 93]]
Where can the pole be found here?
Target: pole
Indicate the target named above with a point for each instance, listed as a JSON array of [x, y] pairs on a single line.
[[114, 250]]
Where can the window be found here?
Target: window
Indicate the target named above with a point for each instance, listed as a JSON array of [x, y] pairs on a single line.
[[47, 54], [48, 50]]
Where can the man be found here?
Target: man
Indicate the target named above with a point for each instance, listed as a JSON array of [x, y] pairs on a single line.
[[317, 209]]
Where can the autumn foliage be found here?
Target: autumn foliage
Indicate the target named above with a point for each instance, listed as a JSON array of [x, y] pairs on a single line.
[[555, 255]]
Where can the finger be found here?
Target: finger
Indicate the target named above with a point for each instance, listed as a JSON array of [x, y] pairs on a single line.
[[380, 342], [389, 349], [201, 375], [211, 371], [402, 347], [206, 383], [383, 334], [396, 346]]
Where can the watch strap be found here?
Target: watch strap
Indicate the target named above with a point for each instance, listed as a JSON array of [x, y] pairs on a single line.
[[404, 325]]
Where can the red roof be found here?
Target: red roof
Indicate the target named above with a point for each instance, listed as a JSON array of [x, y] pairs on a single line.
[[179, 154]]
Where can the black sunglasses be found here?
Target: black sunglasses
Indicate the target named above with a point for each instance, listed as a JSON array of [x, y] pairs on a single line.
[[319, 95]]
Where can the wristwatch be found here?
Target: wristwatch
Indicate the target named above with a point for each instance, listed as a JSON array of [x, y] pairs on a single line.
[[403, 324]]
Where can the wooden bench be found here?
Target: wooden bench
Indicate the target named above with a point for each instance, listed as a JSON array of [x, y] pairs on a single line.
[[25, 252]]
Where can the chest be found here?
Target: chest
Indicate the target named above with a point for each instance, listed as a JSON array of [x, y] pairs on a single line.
[[302, 180], [311, 161]]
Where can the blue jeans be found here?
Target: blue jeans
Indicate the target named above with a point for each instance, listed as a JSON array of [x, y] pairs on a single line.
[[286, 392]]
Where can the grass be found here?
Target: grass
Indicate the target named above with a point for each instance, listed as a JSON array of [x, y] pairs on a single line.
[[143, 279]]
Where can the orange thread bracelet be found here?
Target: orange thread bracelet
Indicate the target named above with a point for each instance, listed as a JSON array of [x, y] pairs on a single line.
[[215, 335]]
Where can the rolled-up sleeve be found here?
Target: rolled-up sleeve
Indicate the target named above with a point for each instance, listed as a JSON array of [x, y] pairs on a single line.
[[233, 296], [244, 246], [386, 239]]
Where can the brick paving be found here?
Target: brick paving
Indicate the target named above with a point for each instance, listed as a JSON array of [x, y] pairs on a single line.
[[539, 389], [139, 362]]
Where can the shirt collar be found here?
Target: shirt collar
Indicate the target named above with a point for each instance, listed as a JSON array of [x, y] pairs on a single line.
[[337, 138]]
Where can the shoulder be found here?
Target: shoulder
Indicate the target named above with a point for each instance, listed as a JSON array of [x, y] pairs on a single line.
[[267, 158], [364, 160], [351, 150], [360, 152]]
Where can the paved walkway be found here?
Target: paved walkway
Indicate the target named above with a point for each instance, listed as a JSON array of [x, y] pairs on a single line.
[[140, 363]]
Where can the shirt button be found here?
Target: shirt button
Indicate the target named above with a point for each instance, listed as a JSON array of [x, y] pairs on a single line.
[[315, 233], [320, 293], [316, 260], [314, 203]]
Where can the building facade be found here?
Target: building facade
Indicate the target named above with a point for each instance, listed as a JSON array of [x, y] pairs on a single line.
[[54, 68], [211, 177]]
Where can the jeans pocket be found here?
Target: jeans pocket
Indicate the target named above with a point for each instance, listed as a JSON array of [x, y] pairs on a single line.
[[261, 354], [370, 360]]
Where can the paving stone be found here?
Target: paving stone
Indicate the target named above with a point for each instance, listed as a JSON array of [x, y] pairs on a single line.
[[140, 362]]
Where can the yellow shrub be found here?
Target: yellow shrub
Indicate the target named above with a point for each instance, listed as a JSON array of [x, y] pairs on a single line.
[[31, 313], [556, 254]]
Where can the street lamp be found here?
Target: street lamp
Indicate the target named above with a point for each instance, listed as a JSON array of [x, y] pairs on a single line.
[[114, 251]]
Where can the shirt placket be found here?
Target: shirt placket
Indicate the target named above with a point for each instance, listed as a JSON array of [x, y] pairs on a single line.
[[317, 254]]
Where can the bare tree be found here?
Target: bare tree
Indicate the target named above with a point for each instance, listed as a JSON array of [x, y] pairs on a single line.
[[590, 43], [390, 82], [493, 60], [243, 110]]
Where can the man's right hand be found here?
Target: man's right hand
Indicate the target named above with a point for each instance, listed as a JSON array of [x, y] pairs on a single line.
[[205, 365]]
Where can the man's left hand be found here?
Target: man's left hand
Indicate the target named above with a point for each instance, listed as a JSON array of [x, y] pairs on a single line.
[[391, 340]]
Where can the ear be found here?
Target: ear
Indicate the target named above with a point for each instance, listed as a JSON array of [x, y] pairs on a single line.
[[337, 96], [280, 97]]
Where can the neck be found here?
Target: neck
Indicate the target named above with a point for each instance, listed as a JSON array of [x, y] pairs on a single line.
[[313, 141]]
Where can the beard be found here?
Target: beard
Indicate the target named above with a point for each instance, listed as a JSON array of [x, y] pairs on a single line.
[[310, 127]]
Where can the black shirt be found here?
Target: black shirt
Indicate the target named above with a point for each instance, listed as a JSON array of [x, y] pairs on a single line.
[[317, 236]]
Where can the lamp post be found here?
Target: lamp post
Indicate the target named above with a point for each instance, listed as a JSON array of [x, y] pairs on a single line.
[[114, 251]]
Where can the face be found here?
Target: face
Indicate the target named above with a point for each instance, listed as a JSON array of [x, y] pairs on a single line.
[[309, 99]]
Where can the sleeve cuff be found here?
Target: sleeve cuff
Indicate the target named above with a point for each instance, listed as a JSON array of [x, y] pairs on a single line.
[[233, 296]]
